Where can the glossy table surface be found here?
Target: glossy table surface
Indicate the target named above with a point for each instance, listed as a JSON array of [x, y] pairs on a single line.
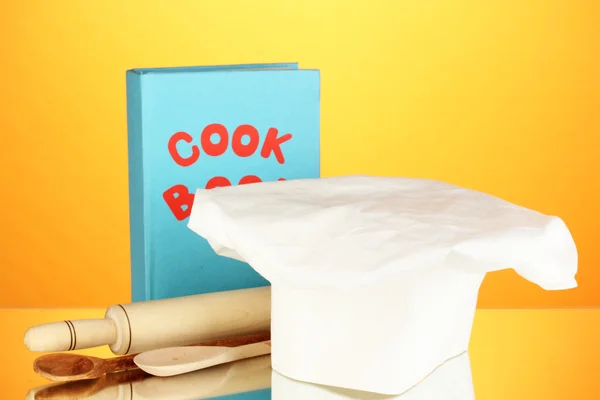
[[514, 354]]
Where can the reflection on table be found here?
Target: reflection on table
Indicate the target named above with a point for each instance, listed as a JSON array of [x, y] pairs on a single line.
[[514, 354], [249, 379], [249, 375]]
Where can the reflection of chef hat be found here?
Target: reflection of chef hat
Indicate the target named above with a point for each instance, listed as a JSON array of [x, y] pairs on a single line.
[[450, 381], [375, 280]]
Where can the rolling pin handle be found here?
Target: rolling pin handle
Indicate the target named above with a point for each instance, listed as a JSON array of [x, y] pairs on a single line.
[[70, 335]]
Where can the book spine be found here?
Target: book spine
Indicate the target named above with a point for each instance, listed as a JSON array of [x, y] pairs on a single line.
[[137, 235]]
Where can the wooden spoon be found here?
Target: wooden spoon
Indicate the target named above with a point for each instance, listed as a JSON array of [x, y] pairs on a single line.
[[63, 367], [180, 360]]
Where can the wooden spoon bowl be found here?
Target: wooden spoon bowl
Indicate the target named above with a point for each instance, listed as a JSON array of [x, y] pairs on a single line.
[[67, 367]]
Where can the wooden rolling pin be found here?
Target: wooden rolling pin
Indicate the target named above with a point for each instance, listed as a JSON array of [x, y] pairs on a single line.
[[141, 326]]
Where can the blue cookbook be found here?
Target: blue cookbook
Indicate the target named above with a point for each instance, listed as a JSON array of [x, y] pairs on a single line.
[[205, 127]]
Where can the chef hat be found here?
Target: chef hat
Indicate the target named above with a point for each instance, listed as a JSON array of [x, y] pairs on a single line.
[[375, 279], [450, 381]]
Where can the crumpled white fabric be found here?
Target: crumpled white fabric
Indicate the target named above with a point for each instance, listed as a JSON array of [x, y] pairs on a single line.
[[375, 279]]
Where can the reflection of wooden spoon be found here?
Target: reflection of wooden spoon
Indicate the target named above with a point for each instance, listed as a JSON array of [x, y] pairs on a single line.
[[86, 388], [220, 381], [242, 376], [68, 367]]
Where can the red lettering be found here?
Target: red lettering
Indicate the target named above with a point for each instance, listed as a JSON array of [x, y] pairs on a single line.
[[214, 149], [183, 161], [245, 150], [180, 201], [249, 179], [217, 181], [272, 145]]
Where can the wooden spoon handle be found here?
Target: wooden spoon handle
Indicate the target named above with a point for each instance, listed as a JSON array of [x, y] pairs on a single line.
[[249, 350], [126, 362]]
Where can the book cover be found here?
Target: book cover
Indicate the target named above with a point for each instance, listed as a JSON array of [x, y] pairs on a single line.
[[204, 127]]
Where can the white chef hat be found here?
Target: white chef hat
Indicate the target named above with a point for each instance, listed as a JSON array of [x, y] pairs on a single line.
[[375, 279], [450, 381]]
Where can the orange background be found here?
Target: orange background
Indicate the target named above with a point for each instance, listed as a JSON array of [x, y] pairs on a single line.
[[500, 96]]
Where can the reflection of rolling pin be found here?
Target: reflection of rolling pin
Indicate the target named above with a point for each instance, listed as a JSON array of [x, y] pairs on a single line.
[[142, 326], [243, 376]]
